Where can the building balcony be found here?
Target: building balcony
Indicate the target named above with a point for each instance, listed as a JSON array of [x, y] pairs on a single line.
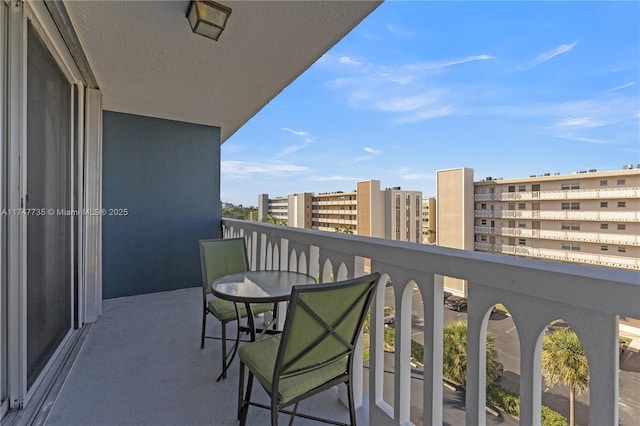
[[561, 255], [590, 237], [574, 194], [601, 216], [329, 222], [335, 202], [335, 211], [140, 363], [535, 292]]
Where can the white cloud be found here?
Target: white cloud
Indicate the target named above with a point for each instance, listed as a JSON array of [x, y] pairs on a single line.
[[295, 132], [364, 157], [417, 176], [407, 174], [582, 139], [347, 60], [243, 169], [403, 104], [291, 149], [334, 178], [563, 48], [400, 89], [372, 150], [398, 31], [624, 86], [601, 111], [307, 139], [448, 63], [427, 114], [581, 122]]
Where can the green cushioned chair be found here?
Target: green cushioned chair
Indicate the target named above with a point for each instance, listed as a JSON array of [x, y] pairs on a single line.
[[314, 351], [218, 258]]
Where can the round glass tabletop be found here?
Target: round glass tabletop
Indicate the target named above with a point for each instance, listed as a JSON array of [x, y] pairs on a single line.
[[259, 286]]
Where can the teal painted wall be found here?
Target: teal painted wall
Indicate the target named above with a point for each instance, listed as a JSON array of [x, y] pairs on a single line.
[[167, 175]]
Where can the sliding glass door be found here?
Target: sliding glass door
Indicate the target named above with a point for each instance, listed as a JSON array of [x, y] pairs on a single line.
[[48, 203], [4, 365]]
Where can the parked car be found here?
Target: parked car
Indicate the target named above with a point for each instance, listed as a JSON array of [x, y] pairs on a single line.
[[447, 294], [457, 303], [390, 318], [557, 325]]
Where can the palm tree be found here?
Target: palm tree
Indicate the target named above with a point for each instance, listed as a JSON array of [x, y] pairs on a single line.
[[565, 362], [454, 342], [343, 229]]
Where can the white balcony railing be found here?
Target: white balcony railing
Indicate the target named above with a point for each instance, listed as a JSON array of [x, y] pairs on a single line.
[[562, 255], [535, 292], [575, 194], [604, 216], [589, 237]]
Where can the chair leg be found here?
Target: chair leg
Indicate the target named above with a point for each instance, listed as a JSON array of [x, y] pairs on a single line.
[[274, 415], [240, 389], [293, 413], [275, 316], [247, 398], [204, 327], [224, 350], [352, 411]]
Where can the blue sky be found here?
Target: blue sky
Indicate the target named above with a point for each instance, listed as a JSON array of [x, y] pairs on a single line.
[[509, 89]]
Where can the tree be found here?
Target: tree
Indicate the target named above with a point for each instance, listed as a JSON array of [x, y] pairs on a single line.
[[454, 362], [343, 229], [239, 212], [565, 362], [272, 220]]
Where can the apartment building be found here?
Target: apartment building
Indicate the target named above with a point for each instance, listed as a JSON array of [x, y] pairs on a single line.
[[334, 211], [403, 215], [428, 220], [277, 207], [391, 213], [585, 217]]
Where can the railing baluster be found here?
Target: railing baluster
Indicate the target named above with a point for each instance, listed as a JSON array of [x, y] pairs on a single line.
[[591, 298]]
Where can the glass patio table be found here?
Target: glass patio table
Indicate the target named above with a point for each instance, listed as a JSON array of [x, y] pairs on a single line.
[[256, 287]]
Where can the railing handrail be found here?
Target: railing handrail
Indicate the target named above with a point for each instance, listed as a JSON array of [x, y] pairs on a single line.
[[535, 291], [608, 290]]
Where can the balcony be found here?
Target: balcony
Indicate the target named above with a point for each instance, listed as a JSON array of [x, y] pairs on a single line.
[[336, 202], [604, 216], [590, 237], [535, 292], [140, 362], [562, 255], [576, 194]]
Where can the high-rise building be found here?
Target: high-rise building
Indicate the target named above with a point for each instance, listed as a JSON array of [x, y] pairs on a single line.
[[403, 215], [428, 220], [334, 211], [277, 208], [585, 217], [390, 213]]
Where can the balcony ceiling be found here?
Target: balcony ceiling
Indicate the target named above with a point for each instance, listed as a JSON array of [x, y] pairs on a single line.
[[147, 61]]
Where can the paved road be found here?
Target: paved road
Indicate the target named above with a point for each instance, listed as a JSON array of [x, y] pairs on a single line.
[[453, 401], [557, 398]]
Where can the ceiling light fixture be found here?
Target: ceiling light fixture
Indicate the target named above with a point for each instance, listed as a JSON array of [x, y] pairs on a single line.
[[208, 18]]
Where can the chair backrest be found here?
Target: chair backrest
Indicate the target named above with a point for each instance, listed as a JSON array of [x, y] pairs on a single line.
[[221, 257], [323, 324]]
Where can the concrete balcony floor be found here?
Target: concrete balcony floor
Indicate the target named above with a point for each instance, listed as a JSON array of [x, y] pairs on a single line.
[[141, 364]]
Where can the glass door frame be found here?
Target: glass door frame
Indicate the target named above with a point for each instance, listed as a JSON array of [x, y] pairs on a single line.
[[20, 14], [4, 366]]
